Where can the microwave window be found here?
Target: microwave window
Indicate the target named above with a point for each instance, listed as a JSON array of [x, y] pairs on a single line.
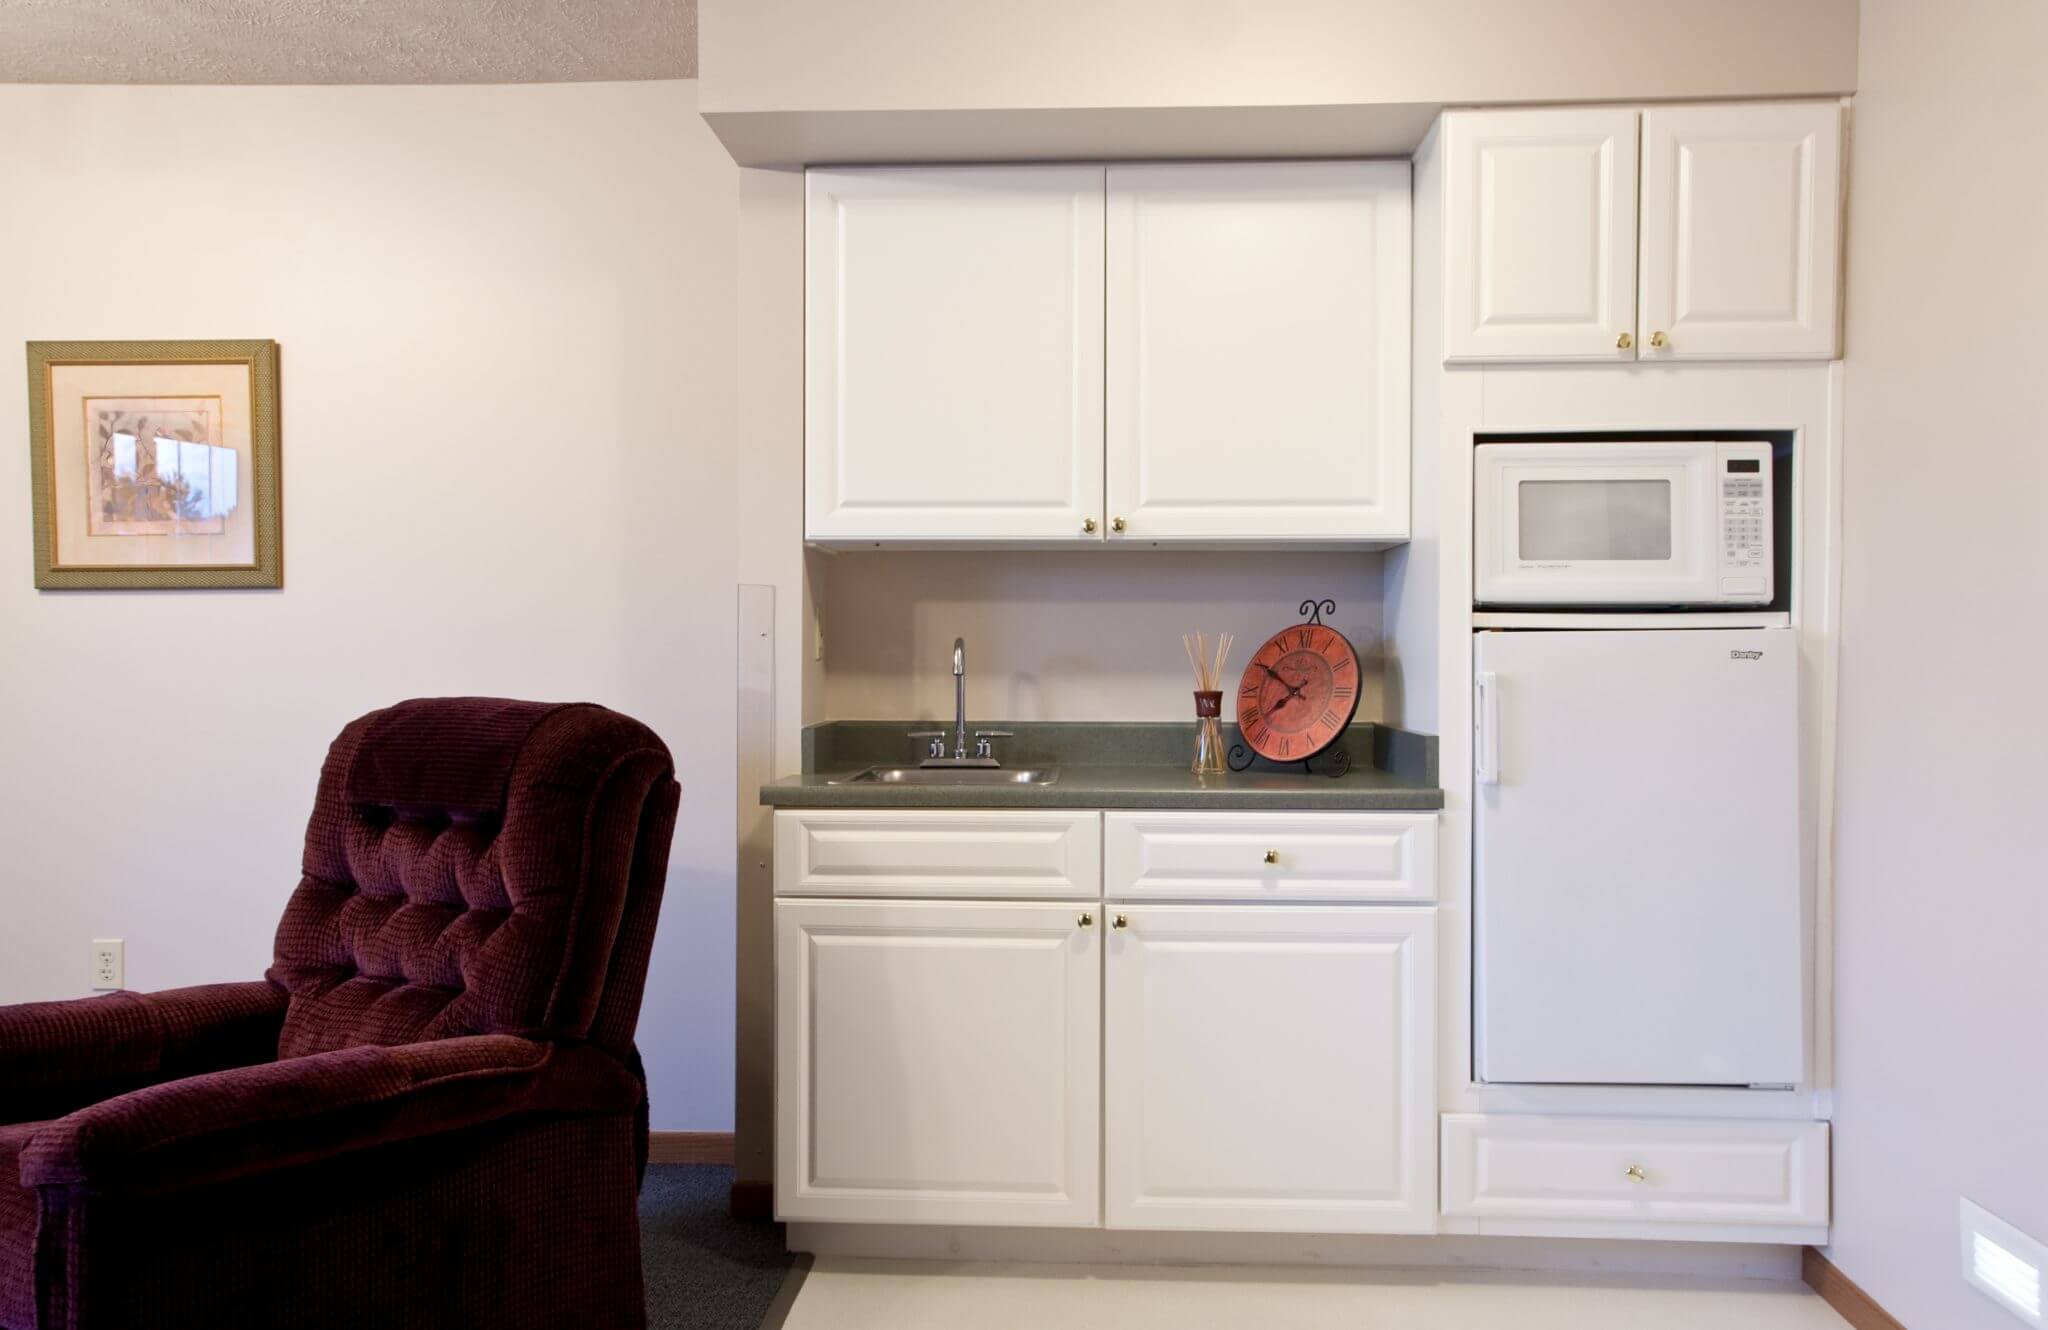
[[1594, 519]]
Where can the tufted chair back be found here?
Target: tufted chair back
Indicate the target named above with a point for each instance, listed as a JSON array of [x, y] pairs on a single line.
[[478, 866]]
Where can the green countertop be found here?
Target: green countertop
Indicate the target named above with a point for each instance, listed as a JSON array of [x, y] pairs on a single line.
[[1111, 766]]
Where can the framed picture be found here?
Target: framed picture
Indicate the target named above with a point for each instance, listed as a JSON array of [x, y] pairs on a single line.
[[155, 464]]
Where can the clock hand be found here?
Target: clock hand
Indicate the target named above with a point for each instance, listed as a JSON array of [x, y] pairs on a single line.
[[1293, 690]]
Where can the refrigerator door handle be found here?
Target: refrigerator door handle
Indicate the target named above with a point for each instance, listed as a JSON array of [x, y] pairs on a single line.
[[1486, 727]]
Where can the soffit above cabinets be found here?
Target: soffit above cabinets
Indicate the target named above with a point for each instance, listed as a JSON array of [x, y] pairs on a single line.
[[820, 82], [1137, 133]]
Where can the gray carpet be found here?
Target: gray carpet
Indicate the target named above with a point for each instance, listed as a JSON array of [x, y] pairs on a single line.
[[705, 1270]]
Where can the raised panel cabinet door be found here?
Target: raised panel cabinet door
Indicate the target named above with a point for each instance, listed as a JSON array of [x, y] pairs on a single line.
[[1741, 231], [953, 354], [1540, 235], [1270, 1067], [938, 1062], [1258, 328]]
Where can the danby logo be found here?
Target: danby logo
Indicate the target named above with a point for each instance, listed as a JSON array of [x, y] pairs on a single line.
[[1745, 655]]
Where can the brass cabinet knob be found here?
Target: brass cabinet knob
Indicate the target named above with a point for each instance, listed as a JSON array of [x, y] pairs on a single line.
[[1659, 341], [1635, 1173], [1116, 524], [1624, 342], [1119, 922], [1086, 920], [1088, 526], [1272, 856]]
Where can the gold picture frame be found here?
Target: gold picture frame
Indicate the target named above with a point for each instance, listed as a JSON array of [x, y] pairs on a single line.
[[155, 465]]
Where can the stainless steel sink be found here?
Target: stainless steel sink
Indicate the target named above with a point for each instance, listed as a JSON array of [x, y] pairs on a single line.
[[950, 776]]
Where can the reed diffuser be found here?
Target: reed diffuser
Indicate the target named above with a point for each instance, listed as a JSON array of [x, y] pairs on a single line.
[[1208, 663]]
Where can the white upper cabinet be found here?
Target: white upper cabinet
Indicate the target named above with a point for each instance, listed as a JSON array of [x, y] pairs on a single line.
[[1540, 243], [1254, 344], [1258, 352], [1724, 246], [1741, 219], [953, 352]]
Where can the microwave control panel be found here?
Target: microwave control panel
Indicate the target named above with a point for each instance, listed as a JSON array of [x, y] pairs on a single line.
[[1745, 522]]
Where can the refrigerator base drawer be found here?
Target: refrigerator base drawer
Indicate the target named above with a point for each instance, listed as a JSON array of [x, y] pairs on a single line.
[[1636, 1170]]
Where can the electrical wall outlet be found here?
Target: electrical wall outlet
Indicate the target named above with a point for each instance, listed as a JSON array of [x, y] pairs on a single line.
[[108, 962]]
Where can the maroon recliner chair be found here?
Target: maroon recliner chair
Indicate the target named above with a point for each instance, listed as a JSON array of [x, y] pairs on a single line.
[[429, 1113]]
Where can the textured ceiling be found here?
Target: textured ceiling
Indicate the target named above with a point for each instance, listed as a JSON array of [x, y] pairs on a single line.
[[346, 41]]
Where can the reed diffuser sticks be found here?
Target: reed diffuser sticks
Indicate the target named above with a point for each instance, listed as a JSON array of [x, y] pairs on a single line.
[[1208, 664]]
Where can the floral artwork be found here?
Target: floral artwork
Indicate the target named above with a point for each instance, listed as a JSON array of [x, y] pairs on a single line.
[[155, 464], [157, 467]]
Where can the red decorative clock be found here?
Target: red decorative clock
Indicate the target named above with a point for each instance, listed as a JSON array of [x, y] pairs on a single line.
[[1300, 690]]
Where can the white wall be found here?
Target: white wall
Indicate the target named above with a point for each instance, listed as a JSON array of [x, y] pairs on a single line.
[[506, 319], [1941, 883], [1068, 635]]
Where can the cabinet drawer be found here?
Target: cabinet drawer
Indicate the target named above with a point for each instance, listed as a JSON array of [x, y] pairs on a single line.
[[938, 852], [1636, 1170], [1270, 856]]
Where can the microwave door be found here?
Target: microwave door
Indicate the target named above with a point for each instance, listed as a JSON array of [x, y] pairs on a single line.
[[1632, 529]]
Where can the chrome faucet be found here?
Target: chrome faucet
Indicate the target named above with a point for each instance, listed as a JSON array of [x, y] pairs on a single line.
[[984, 751]]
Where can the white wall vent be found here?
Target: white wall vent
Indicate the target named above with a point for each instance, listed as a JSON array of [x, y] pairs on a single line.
[[2004, 1263]]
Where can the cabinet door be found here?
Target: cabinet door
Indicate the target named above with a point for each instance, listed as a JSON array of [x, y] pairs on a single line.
[[1271, 1067], [1540, 235], [953, 354], [1258, 352], [937, 1062], [1741, 225]]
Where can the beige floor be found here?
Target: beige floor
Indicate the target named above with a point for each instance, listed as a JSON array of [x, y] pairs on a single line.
[[844, 1294]]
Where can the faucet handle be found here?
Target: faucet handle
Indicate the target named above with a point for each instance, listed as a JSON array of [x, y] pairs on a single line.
[[927, 734], [937, 747], [995, 734]]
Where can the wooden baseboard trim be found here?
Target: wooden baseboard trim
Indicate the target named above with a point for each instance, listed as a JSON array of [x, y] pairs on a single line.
[[689, 1147], [1839, 1291], [753, 1200]]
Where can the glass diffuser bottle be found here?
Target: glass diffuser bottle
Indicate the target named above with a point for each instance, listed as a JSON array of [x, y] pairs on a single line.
[[1208, 733], [1208, 702]]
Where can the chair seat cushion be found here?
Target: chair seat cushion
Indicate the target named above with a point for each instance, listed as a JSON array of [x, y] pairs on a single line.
[[17, 1231]]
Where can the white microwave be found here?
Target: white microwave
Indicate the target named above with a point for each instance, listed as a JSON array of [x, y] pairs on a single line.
[[1624, 523]]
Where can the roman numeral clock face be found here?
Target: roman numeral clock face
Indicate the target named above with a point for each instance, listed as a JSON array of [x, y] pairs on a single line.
[[1298, 694]]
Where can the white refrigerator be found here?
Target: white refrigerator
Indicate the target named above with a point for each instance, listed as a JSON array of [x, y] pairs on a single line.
[[1638, 911]]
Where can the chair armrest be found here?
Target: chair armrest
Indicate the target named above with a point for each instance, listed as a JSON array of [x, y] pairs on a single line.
[[251, 1120], [56, 1056]]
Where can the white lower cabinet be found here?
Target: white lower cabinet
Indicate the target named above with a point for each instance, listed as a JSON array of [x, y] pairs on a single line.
[[1229, 1024], [1270, 1067], [938, 1062]]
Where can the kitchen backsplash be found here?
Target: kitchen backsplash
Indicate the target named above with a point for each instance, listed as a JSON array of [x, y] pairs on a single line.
[[1065, 636]]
